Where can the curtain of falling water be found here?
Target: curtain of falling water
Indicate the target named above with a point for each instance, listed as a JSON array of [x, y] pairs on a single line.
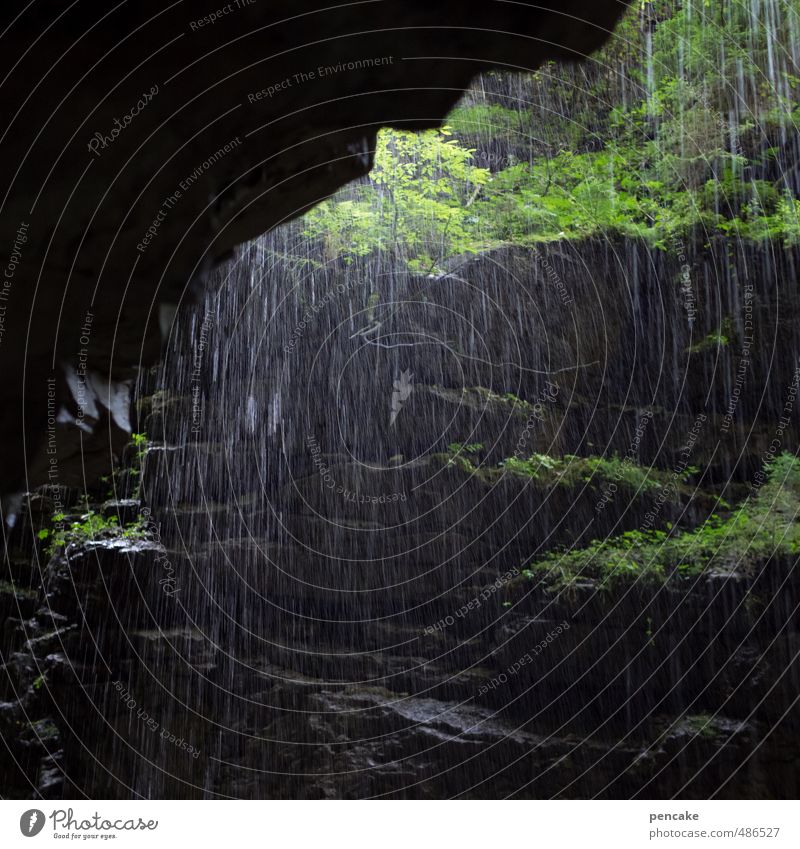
[[316, 526], [301, 473]]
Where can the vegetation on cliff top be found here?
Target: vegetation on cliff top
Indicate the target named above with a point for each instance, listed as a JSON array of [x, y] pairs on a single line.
[[685, 121]]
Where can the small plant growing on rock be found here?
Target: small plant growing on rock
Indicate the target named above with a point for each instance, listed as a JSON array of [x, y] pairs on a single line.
[[88, 527], [91, 525]]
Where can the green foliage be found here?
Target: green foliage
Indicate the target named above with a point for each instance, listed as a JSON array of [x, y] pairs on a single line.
[[570, 470], [88, 527], [461, 455], [470, 448], [659, 134], [139, 441], [417, 199], [702, 725], [719, 339], [91, 525], [765, 525]]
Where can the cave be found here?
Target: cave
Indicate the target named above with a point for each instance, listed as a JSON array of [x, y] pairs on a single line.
[[400, 401]]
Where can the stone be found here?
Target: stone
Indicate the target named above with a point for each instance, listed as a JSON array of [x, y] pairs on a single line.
[[132, 178]]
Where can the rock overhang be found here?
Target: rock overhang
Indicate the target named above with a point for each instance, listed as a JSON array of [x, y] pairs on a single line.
[[143, 144]]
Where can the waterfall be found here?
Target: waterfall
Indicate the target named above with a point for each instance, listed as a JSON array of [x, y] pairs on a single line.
[[479, 478], [333, 466]]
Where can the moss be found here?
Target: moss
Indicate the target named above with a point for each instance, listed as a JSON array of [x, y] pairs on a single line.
[[480, 398], [702, 725], [570, 470], [763, 526]]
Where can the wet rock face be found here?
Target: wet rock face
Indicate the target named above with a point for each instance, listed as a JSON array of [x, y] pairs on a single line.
[[144, 143], [559, 350], [676, 691], [275, 639]]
